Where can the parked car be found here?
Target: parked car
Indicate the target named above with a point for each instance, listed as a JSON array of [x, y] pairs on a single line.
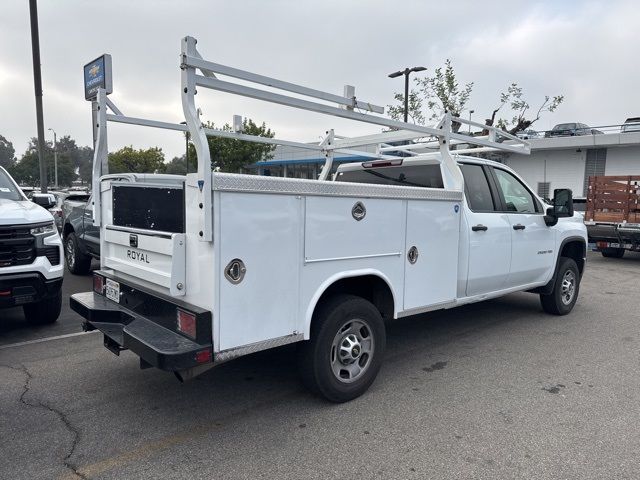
[[571, 130], [631, 125], [81, 240], [31, 267]]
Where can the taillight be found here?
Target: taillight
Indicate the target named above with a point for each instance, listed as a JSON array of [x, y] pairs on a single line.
[[98, 284], [203, 356], [382, 163], [186, 323]]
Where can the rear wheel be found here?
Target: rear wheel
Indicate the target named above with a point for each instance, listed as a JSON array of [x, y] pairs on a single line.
[[613, 252], [77, 262], [565, 291], [345, 352], [44, 311]]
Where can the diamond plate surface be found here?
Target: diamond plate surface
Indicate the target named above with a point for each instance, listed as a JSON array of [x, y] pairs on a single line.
[[230, 182]]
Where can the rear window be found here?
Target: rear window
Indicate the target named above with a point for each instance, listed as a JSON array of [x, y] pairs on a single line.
[[8, 190], [413, 176]]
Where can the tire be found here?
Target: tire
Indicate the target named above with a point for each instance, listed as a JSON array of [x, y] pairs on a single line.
[[345, 352], [613, 252], [565, 291], [78, 263], [45, 311]]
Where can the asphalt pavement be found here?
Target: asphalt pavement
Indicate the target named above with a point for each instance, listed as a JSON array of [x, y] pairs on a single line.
[[496, 390]]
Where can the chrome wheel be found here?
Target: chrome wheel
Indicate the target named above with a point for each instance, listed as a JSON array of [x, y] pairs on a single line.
[[568, 288], [352, 350], [69, 250]]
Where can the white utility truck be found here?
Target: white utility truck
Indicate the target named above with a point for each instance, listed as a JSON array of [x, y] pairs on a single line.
[[221, 265]]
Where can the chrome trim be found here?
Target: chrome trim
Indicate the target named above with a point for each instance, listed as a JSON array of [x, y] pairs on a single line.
[[140, 231], [230, 354], [235, 271], [232, 182], [353, 257], [429, 308]]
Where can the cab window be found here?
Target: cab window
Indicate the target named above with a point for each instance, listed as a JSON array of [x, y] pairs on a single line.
[[476, 188], [514, 195]]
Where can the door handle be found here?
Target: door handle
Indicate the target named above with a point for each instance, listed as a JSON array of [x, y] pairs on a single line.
[[479, 228], [519, 226]]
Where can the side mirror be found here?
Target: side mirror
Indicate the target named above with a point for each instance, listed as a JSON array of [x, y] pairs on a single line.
[[562, 206], [45, 200]]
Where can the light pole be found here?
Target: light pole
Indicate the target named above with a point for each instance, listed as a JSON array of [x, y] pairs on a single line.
[[55, 157], [470, 112], [406, 73]]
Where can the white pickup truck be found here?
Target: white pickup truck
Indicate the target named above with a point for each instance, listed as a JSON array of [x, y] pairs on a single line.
[[221, 265]]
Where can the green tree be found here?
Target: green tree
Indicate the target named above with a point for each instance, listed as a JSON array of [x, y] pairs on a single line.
[[128, 159], [177, 166], [231, 155], [7, 153], [26, 171]]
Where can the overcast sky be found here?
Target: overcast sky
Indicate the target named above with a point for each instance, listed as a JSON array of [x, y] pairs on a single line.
[[585, 50]]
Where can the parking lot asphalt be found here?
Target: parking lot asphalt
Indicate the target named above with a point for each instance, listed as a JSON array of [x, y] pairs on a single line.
[[14, 328], [496, 390]]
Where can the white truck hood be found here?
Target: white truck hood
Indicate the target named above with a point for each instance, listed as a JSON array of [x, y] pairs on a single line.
[[21, 212]]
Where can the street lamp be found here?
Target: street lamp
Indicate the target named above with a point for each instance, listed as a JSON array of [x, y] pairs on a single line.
[[406, 73], [470, 112], [55, 157]]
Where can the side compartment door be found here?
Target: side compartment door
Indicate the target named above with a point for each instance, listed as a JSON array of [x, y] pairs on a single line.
[[431, 253], [532, 241], [488, 233]]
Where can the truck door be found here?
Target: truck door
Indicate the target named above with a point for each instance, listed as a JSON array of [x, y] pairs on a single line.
[[532, 241], [488, 233]]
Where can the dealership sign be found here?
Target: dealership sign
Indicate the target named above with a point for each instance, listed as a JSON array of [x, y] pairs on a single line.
[[97, 74]]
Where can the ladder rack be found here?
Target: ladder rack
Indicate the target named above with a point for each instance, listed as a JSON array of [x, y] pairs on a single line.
[[191, 62]]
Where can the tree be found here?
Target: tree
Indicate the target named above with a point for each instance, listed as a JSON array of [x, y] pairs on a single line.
[[127, 159], [7, 153], [26, 171], [231, 155], [442, 93], [514, 97], [177, 166]]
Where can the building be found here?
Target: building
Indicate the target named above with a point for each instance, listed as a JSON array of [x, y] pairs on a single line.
[[568, 162]]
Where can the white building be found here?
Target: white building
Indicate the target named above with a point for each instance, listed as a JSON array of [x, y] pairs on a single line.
[[568, 162]]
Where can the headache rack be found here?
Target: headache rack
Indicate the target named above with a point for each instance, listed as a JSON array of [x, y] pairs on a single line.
[[197, 72]]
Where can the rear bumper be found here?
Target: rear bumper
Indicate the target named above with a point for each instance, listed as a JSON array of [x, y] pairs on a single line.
[[155, 344], [23, 288]]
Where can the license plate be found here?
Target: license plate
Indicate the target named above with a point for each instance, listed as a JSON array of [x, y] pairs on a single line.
[[112, 290]]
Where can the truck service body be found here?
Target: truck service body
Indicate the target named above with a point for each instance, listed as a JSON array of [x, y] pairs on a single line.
[[219, 265]]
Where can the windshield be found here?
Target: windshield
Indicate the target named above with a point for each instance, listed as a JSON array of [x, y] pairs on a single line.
[[8, 190]]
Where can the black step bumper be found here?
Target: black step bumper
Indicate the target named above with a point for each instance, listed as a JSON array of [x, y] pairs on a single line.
[[125, 329]]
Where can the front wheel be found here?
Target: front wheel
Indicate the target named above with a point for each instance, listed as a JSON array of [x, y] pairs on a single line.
[[345, 352], [565, 291], [613, 252]]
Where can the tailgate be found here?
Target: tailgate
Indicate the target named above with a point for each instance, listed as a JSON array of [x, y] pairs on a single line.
[[157, 257]]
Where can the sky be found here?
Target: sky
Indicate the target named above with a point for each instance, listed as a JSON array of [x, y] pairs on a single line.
[[584, 50]]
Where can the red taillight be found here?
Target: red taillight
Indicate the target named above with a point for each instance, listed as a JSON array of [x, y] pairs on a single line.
[[5, 293], [186, 323], [203, 356], [98, 284]]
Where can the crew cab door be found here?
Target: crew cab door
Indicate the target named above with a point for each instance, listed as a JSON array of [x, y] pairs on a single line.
[[487, 232], [532, 241]]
